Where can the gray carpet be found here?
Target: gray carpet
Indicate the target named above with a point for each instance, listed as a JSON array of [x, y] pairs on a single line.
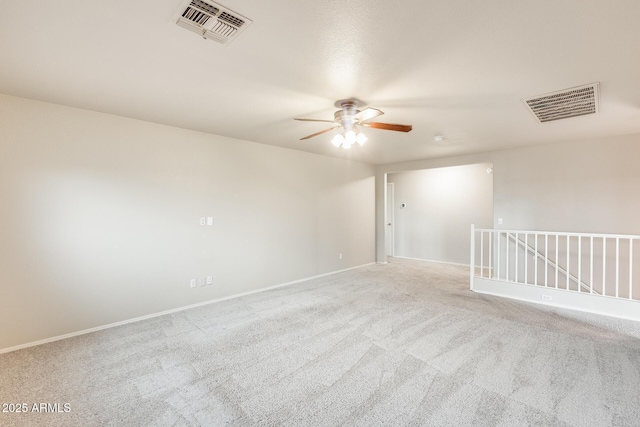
[[399, 344]]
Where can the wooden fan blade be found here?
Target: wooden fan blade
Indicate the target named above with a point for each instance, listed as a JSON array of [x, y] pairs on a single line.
[[367, 114], [320, 133], [388, 126], [314, 120]]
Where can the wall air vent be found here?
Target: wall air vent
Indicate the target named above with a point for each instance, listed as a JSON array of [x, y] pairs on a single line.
[[211, 20], [573, 102]]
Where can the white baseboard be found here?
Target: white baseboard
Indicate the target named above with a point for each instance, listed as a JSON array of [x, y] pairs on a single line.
[[173, 310], [561, 298]]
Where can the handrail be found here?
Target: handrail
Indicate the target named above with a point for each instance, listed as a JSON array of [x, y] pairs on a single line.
[[560, 233]]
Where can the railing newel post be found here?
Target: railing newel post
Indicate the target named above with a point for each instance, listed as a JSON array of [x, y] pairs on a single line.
[[472, 255]]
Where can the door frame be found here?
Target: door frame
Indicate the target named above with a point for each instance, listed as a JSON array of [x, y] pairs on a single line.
[[389, 222]]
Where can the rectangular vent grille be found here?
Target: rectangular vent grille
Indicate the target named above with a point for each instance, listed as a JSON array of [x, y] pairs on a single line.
[[233, 20], [210, 20], [574, 102], [223, 29], [196, 16], [212, 10]]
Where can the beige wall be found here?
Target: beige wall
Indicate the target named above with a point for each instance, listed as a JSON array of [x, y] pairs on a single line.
[[581, 186], [99, 218], [441, 205]]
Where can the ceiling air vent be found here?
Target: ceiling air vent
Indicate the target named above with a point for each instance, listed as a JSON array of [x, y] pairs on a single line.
[[211, 20], [573, 102]]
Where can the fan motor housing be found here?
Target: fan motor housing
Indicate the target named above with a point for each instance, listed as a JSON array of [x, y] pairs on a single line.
[[341, 114]]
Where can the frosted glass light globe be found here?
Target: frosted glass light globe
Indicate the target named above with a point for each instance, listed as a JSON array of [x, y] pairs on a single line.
[[350, 137], [337, 140]]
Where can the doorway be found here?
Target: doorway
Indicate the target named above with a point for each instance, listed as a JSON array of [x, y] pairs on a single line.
[[431, 211]]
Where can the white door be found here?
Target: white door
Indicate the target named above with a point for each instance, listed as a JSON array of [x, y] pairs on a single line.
[[388, 233]]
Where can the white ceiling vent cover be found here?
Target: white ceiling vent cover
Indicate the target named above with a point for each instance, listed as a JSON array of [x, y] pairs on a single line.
[[211, 20], [573, 102]]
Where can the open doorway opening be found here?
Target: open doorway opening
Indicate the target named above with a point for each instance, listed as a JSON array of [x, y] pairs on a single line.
[[431, 211]]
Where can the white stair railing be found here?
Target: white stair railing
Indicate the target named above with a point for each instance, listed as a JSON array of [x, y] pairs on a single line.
[[602, 265], [551, 264]]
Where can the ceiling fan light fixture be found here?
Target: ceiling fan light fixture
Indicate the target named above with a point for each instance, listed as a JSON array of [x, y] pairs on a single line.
[[350, 137], [350, 119]]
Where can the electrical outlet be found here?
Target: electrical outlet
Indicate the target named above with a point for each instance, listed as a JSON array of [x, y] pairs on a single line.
[[193, 283], [546, 297], [209, 280], [499, 221], [203, 221]]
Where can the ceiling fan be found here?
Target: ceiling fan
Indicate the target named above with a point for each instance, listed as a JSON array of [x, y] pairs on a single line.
[[350, 118]]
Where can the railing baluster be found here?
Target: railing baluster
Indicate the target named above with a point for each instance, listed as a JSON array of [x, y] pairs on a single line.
[[507, 260], [499, 255], [491, 237], [568, 270], [617, 265], [557, 261], [526, 258], [604, 265], [546, 260], [630, 268], [517, 252], [535, 262], [579, 263], [481, 253], [591, 268]]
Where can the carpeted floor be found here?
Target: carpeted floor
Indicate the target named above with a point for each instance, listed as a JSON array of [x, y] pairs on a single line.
[[400, 344]]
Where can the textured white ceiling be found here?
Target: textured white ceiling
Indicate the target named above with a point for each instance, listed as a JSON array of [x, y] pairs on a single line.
[[457, 68]]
